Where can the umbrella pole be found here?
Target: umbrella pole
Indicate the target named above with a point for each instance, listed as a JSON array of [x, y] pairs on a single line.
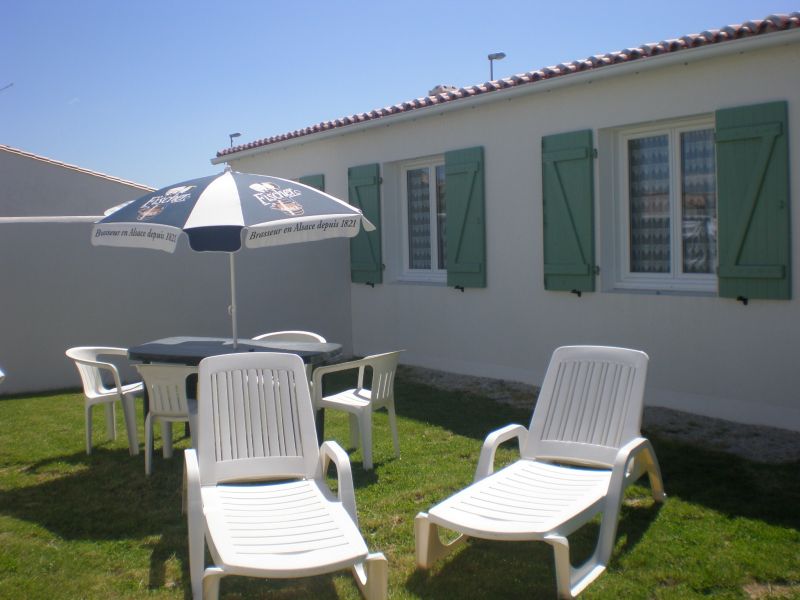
[[232, 307]]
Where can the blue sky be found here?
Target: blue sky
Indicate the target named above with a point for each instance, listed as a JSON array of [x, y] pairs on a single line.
[[150, 90]]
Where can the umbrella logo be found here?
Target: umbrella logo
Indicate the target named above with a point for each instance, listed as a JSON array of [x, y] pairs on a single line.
[[278, 198], [156, 205]]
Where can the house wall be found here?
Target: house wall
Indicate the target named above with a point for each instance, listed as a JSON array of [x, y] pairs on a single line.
[[59, 291], [709, 355]]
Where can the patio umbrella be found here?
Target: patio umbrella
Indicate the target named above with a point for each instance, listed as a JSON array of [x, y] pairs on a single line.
[[219, 212]]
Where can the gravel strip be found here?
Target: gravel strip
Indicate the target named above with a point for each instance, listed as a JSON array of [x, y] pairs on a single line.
[[753, 442]]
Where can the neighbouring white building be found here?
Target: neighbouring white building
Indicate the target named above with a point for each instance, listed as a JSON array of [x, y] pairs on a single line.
[[59, 291], [639, 198]]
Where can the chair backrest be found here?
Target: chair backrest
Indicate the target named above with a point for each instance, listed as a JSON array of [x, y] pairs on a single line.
[[255, 418], [166, 388], [384, 367], [291, 336], [90, 367], [589, 406]]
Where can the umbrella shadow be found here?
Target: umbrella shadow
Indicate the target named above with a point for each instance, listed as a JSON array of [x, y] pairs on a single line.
[[527, 567]]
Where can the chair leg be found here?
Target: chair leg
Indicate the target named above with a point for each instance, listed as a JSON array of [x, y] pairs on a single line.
[[372, 576], [87, 411], [166, 438], [365, 425], [148, 444], [196, 549], [429, 547], [129, 410], [393, 427], [111, 421], [211, 579], [354, 433]]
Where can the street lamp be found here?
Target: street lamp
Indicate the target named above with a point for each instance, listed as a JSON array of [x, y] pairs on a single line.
[[233, 135], [493, 57]]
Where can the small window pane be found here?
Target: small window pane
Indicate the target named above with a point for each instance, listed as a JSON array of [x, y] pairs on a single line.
[[699, 201], [648, 167], [441, 217], [419, 219]]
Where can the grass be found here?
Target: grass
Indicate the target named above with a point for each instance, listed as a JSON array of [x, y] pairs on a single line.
[[78, 526]]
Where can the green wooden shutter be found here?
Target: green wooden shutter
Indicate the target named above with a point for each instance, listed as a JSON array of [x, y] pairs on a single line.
[[753, 201], [366, 264], [466, 231], [315, 181], [568, 211]]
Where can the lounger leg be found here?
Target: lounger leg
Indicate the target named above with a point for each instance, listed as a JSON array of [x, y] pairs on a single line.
[[372, 576], [429, 546], [211, 579]]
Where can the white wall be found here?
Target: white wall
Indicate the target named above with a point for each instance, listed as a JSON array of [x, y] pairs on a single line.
[[59, 291], [709, 355]]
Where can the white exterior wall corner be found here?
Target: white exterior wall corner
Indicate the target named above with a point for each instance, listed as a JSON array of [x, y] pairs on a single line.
[[59, 291], [709, 355]]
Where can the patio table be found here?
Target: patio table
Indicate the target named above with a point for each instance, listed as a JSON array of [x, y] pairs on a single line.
[[187, 350]]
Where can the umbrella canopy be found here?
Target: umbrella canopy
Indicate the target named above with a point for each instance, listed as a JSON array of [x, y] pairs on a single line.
[[219, 212], [214, 211]]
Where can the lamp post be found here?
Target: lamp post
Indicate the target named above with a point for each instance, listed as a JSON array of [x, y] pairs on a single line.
[[493, 57], [233, 135]]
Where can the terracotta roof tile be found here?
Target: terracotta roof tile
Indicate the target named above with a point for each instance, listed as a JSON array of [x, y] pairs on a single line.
[[769, 24]]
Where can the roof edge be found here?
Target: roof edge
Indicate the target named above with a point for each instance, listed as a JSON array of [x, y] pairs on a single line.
[[58, 163], [771, 31]]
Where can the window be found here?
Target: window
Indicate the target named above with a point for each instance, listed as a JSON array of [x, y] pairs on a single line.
[[424, 220], [667, 214]]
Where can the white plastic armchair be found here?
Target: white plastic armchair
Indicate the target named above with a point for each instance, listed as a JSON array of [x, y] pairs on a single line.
[[166, 393], [582, 449], [256, 487], [291, 336], [91, 369], [360, 402]]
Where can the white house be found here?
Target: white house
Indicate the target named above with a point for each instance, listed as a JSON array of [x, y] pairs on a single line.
[[639, 198], [58, 291]]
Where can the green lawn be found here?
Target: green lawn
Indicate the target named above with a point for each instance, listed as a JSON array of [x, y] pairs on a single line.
[[78, 526]]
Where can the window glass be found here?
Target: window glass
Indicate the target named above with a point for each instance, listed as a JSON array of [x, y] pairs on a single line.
[[648, 193], [698, 201], [419, 218]]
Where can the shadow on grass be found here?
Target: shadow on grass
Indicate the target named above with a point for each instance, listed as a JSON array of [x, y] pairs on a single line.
[[527, 568], [720, 481], [731, 485], [107, 497], [464, 414]]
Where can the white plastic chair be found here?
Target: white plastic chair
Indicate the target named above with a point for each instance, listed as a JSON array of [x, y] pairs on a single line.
[[256, 483], [360, 402], [582, 449], [291, 336], [91, 369], [166, 392]]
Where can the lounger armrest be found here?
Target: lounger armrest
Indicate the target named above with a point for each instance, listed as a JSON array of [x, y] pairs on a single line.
[[638, 450], [490, 445], [192, 476], [332, 451]]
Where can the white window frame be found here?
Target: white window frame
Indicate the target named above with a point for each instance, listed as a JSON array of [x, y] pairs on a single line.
[[434, 274], [675, 280]]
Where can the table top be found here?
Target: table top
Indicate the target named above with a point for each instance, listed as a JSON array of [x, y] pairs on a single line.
[[191, 350]]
